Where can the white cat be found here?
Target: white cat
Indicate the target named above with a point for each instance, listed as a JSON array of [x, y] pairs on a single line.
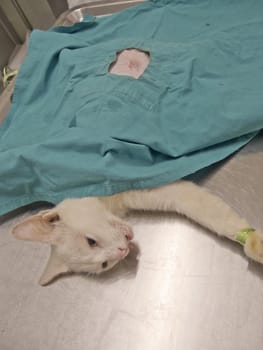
[[89, 234]]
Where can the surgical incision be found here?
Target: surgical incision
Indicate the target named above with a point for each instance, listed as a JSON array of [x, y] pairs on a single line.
[[130, 62]]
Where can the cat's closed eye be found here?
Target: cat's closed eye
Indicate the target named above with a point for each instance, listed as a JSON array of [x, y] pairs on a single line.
[[91, 242]]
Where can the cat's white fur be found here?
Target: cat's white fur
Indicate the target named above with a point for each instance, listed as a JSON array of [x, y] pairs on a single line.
[[67, 226]]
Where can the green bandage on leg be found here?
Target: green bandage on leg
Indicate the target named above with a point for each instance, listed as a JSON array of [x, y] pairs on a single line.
[[243, 235]]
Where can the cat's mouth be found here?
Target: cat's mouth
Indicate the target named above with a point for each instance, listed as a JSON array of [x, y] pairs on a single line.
[[123, 253], [131, 247]]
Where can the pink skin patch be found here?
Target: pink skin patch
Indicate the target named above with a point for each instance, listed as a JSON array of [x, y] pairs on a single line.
[[130, 62]]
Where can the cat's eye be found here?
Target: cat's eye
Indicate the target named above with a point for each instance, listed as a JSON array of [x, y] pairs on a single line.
[[104, 264], [92, 242]]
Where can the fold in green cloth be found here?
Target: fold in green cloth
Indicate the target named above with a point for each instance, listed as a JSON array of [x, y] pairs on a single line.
[[75, 129]]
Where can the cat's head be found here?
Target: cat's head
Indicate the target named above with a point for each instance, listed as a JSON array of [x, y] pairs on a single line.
[[84, 237]]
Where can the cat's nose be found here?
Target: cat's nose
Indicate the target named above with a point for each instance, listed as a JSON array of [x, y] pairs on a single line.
[[128, 234]]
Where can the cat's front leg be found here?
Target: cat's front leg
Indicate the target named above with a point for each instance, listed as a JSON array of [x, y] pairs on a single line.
[[204, 208]]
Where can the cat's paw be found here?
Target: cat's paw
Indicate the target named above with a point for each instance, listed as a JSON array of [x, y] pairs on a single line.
[[254, 246]]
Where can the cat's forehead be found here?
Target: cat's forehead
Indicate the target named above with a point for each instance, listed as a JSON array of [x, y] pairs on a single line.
[[83, 215]]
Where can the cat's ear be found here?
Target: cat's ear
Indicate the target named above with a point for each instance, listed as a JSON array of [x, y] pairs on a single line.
[[55, 267], [39, 227]]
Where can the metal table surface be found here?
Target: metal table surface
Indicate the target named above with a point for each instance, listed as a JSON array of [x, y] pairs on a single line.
[[187, 290]]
